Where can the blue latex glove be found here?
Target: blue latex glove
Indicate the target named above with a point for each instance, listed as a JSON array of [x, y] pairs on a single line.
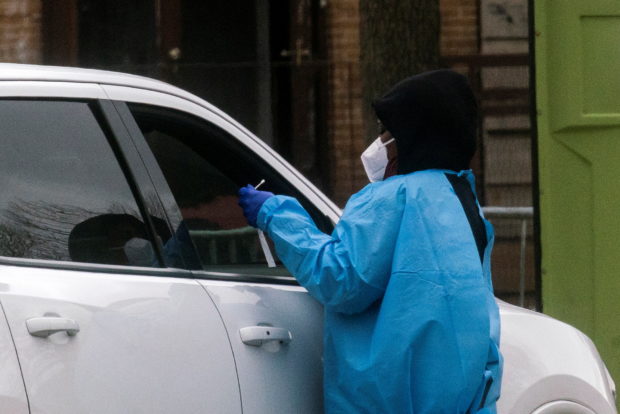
[[251, 200]]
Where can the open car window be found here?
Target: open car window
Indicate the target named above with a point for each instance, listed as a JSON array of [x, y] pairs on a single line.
[[204, 167]]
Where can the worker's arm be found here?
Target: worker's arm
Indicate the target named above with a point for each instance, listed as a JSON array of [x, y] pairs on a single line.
[[348, 270]]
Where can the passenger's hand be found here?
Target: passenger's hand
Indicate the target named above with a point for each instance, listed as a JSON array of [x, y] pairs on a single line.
[[251, 200]]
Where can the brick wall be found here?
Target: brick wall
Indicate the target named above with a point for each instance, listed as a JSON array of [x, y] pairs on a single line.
[[345, 99], [20, 31], [459, 27]]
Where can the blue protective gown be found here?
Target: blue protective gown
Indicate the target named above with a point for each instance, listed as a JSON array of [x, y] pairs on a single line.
[[411, 323]]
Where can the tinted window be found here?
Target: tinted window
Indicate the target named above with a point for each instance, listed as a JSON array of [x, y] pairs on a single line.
[[204, 167], [64, 195]]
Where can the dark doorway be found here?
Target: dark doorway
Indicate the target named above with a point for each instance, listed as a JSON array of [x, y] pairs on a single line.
[[299, 56]]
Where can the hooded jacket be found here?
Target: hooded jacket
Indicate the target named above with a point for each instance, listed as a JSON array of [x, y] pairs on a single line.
[[433, 117], [411, 324]]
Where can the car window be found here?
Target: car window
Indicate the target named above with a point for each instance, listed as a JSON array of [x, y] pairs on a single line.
[[204, 167], [64, 195]]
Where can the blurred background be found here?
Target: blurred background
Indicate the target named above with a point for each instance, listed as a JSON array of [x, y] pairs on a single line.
[[301, 75]]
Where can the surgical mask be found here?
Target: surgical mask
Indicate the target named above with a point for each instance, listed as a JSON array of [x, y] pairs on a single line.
[[375, 160]]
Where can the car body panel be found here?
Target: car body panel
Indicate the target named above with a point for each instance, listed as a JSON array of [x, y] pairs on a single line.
[[12, 392], [22, 89], [79, 76], [274, 377], [133, 331], [547, 360]]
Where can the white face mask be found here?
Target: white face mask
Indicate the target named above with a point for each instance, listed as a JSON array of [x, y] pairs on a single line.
[[375, 160]]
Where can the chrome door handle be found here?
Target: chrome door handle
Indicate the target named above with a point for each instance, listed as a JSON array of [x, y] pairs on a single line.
[[48, 325], [258, 335]]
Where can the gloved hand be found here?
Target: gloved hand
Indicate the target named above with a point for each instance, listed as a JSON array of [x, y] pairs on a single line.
[[251, 200]]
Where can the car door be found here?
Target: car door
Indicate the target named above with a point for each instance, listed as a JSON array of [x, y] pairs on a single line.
[[274, 326], [12, 392], [99, 324]]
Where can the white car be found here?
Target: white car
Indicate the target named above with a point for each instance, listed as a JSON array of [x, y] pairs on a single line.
[[130, 283]]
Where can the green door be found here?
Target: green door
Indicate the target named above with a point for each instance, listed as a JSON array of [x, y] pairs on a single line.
[[578, 103]]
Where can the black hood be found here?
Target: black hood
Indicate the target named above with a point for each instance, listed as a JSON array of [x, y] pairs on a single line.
[[433, 117]]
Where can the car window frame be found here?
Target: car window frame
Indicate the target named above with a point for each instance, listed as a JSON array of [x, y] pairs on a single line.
[[165, 193], [136, 178], [167, 96]]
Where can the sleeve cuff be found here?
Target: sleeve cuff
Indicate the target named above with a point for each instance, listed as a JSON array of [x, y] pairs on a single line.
[[265, 211]]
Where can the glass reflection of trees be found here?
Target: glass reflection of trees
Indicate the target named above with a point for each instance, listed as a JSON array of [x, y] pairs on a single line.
[[40, 230]]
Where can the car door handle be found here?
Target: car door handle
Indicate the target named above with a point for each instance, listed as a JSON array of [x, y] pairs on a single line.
[[258, 335], [48, 325]]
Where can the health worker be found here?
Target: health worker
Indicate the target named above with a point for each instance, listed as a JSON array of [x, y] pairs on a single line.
[[411, 323]]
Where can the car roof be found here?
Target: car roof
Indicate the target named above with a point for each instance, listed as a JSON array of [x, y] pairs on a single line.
[[40, 73], [22, 72]]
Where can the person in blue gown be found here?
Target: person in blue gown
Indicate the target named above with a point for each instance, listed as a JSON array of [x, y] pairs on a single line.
[[411, 323]]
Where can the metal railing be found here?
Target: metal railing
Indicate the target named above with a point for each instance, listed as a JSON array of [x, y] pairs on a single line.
[[521, 213]]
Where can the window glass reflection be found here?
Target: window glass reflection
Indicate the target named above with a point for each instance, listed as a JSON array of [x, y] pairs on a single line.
[[64, 195]]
